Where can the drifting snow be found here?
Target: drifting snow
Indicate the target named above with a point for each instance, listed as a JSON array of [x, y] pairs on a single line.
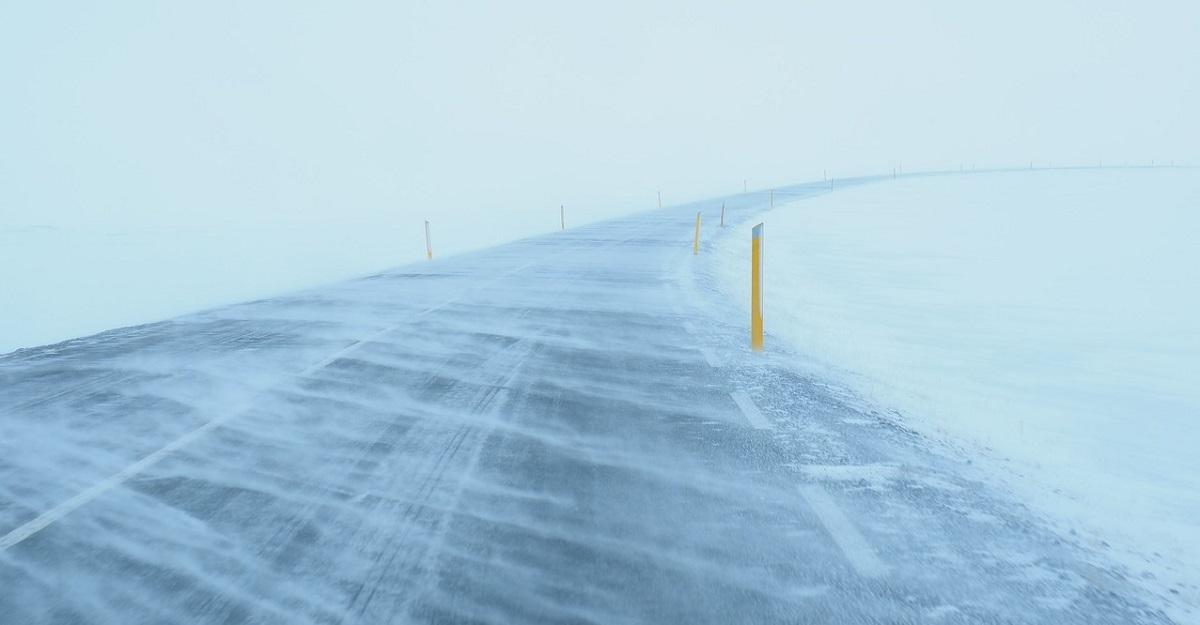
[[1047, 318]]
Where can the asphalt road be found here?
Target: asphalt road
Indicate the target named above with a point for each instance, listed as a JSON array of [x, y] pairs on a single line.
[[565, 429]]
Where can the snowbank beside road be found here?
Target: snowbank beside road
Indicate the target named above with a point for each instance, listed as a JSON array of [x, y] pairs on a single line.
[[1049, 319], [61, 283], [58, 283]]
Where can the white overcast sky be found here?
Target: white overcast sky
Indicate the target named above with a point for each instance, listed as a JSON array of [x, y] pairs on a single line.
[[231, 112]]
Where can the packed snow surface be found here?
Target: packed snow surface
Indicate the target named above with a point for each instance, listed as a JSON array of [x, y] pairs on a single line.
[[1047, 319]]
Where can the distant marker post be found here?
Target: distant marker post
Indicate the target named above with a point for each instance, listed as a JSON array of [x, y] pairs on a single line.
[[562, 217], [428, 242], [722, 214], [696, 240], [756, 289]]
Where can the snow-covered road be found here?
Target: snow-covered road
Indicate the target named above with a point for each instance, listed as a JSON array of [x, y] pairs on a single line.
[[568, 428]]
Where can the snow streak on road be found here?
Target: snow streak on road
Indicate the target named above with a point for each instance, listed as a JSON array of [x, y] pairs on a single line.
[[568, 428]]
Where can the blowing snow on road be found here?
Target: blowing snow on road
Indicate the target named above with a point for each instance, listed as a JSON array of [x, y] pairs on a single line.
[[615, 313], [567, 428]]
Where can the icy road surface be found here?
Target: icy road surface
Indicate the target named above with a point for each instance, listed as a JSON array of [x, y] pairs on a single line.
[[567, 428]]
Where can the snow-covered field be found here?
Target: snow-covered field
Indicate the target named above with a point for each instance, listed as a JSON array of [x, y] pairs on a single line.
[[61, 282], [1046, 321]]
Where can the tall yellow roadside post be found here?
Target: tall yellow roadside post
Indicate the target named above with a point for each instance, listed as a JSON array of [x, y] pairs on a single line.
[[428, 242], [756, 289], [696, 241]]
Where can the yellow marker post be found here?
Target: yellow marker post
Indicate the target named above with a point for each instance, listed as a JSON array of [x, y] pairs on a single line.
[[756, 289], [428, 242], [696, 241]]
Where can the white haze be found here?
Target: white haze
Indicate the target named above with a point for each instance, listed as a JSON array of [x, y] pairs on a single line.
[[182, 118]]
